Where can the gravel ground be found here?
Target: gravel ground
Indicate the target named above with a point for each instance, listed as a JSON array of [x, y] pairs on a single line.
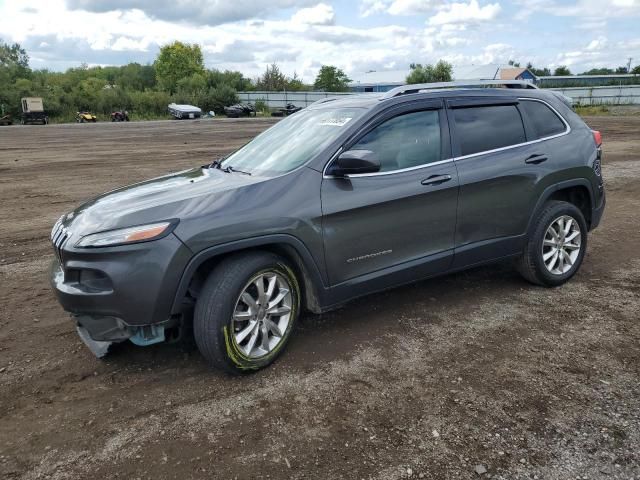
[[474, 375]]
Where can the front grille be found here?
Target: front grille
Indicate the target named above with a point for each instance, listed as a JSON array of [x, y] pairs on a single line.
[[59, 236]]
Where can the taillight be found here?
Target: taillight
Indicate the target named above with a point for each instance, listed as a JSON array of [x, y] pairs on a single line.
[[597, 136]]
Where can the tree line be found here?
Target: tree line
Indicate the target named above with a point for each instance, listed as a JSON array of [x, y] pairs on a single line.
[[178, 75], [563, 70]]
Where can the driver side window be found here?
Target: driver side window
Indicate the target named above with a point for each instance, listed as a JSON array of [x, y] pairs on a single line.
[[405, 141]]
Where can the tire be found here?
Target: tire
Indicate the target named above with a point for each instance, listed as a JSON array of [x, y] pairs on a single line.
[[542, 262], [223, 340]]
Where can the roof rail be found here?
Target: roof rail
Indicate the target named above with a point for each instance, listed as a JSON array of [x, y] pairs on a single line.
[[323, 100], [418, 87]]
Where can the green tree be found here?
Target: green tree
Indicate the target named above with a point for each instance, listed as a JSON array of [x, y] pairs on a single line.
[[636, 70], [561, 71], [13, 56], [598, 71], [440, 72], [331, 79], [176, 61], [135, 76], [272, 79], [220, 97], [539, 72], [295, 84], [228, 77], [14, 77]]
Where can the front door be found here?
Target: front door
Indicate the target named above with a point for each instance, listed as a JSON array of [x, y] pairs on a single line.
[[402, 215]]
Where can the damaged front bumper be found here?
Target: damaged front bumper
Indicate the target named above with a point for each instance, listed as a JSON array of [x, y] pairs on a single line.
[[99, 333], [122, 293]]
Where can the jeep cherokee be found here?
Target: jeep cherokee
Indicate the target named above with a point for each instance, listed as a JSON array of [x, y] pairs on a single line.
[[349, 196]]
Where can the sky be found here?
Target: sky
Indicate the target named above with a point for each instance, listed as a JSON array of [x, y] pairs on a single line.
[[301, 35]]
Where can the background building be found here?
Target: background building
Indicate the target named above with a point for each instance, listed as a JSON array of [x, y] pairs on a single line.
[[385, 80]]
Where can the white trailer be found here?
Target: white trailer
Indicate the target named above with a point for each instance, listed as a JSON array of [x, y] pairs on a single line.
[[33, 111]]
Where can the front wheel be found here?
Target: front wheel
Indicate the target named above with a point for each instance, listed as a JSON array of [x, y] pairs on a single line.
[[246, 312], [557, 245]]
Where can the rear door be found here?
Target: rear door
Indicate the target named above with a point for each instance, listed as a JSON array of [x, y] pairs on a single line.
[[404, 213], [499, 169]]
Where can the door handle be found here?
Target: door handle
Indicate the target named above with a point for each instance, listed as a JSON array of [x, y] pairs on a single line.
[[536, 158], [436, 179]]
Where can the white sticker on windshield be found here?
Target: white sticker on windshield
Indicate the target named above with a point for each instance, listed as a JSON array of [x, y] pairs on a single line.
[[336, 122]]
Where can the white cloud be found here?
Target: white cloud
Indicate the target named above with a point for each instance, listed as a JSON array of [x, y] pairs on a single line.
[[597, 44], [126, 43], [397, 7], [590, 9], [320, 14], [312, 32], [412, 7], [465, 13], [203, 12]]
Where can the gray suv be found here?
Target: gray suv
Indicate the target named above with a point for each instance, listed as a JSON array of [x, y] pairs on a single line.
[[350, 196]]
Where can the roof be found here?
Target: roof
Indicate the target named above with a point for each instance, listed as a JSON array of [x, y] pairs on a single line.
[[383, 77], [511, 73], [476, 72]]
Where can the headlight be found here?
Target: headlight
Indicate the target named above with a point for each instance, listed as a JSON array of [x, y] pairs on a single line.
[[141, 233]]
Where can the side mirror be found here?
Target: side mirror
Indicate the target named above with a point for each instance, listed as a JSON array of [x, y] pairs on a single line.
[[353, 162]]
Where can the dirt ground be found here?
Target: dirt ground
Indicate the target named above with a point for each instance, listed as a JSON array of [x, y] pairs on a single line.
[[475, 375]]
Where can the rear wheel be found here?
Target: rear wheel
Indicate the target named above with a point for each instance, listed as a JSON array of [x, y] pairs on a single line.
[[246, 312], [557, 245]]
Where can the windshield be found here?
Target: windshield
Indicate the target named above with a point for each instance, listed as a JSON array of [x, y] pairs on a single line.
[[292, 141]]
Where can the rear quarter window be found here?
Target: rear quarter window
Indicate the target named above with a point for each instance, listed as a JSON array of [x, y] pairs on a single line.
[[544, 121], [480, 129]]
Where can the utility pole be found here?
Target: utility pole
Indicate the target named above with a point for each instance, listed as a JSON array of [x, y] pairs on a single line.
[[629, 65]]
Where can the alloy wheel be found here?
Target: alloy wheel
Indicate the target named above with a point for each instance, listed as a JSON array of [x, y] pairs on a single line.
[[561, 245], [262, 314]]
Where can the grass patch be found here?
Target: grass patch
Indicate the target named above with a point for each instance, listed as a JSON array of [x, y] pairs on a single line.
[[586, 110]]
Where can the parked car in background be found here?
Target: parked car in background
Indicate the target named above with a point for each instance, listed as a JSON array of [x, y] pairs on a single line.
[[6, 120], [288, 109], [83, 117], [33, 111], [120, 116], [184, 111], [240, 110], [350, 196]]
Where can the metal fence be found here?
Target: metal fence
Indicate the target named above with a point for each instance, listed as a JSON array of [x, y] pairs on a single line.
[[280, 99], [620, 95]]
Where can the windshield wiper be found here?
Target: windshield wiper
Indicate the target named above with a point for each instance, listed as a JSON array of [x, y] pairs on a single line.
[[216, 163], [230, 169]]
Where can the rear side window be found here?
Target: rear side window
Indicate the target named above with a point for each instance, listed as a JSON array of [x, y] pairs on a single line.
[[405, 141], [485, 128], [544, 121]]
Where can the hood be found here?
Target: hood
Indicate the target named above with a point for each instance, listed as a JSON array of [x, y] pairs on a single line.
[[173, 196]]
